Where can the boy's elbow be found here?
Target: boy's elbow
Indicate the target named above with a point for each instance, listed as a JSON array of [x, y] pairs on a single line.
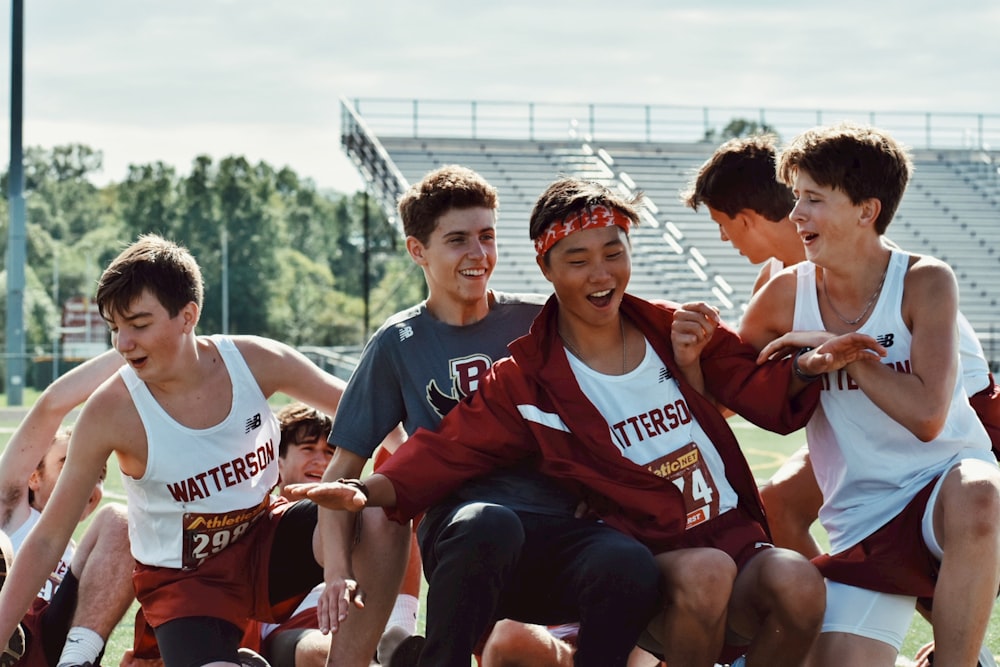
[[928, 428]]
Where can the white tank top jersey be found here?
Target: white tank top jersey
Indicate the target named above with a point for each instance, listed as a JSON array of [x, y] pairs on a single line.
[[202, 488], [651, 425], [975, 368], [62, 567], [868, 465]]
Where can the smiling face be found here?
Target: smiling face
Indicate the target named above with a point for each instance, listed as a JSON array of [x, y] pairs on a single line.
[[305, 461], [458, 260], [149, 339], [589, 271], [827, 222]]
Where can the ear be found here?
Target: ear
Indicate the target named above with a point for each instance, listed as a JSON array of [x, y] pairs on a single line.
[[416, 250], [540, 261], [33, 480], [190, 315], [869, 211], [747, 218]]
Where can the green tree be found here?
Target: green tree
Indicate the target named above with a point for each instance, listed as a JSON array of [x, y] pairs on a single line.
[[739, 127], [245, 208], [148, 200]]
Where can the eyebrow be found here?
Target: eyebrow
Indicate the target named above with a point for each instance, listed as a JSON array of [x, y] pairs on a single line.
[[135, 316]]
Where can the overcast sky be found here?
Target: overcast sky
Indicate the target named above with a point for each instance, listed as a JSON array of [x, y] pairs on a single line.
[[143, 81]]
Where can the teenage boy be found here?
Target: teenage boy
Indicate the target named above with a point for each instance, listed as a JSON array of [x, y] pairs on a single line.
[[911, 490], [415, 369], [595, 397], [739, 186], [90, 589], [188, 421]]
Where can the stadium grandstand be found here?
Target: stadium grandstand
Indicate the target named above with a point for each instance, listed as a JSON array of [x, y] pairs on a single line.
[[951, 209]]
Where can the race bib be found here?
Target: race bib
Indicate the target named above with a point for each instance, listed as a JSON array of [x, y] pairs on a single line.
[[688, 471], [207, 534]]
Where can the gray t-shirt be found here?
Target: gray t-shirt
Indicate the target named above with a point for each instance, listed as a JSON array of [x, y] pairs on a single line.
[[415, 369]]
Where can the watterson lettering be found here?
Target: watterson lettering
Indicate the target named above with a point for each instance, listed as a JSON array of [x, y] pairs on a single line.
[[204, 484], [651, 424], [844, 382]]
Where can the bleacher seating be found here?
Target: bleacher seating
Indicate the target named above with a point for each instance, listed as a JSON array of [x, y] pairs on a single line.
[[951, 210]]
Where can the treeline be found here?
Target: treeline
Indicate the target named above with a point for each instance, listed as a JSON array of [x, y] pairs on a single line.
[[295, 253]]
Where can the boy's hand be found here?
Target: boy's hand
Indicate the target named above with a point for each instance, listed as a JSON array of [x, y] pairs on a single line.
[[331, 495]]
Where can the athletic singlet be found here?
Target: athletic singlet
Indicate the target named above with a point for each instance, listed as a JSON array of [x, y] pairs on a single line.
[[651, 425], [202, 487], [975, 369], [865, 483], [62, 567]]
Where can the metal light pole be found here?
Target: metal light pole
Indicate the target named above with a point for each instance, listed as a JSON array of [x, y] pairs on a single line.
[[16, 234], [225, 279], [57, 332], [366, 278]]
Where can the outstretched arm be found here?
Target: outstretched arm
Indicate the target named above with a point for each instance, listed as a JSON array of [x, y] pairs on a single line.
[[89, 449], [278, 367], [352, 495], [34, 434]]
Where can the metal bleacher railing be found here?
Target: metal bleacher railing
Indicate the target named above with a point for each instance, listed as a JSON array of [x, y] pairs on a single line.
[[654, 123], [952, 208]]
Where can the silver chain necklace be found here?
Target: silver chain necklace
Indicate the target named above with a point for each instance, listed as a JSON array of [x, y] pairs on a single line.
[[576, 353], [871, 300]]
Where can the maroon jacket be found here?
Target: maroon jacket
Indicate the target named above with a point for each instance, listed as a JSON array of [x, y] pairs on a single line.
[[530, 406]]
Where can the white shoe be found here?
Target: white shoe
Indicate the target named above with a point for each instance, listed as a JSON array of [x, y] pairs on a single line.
[[389, 642], [986, 658]]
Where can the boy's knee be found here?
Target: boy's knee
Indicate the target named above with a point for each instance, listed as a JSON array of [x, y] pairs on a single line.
[[701, 583], [796, 588], [377, 527], [487, 523]]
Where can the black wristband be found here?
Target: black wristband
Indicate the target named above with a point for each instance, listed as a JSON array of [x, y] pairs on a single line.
[[805, 377], [357, 484]]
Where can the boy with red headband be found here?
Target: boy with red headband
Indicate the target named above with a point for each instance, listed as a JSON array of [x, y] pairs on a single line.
[[595, 397], [506, 544]]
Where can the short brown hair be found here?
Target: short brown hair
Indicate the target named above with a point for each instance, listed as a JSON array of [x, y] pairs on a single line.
[[300, 423], [441, 190], [567, 196], [741, 175], [861, 161], [166, 269]]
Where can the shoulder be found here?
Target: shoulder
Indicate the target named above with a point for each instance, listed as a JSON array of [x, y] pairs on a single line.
[[257, 348], [405, 315], [517, 299], [662, 304], [928, 277], [272, 364], [107, 415], [770, 269]]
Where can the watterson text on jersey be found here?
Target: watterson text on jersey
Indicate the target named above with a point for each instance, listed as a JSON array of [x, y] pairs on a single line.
[[223, 476]]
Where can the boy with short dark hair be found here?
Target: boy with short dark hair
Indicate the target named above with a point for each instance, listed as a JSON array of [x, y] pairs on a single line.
[[188, 421], [897, 450], [596, 397], [422, 363]]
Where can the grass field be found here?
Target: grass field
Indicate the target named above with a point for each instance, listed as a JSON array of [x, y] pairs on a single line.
[[765, 451]]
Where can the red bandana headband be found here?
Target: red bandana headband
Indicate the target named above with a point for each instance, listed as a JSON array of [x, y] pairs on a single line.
[[593, 218]]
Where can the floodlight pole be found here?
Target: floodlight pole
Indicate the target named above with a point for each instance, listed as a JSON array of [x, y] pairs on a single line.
[[16, 243]]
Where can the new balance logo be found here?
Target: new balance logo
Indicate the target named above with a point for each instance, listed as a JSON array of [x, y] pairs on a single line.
[[253, 423], [405, 332], [665, 374], [885, 340]]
